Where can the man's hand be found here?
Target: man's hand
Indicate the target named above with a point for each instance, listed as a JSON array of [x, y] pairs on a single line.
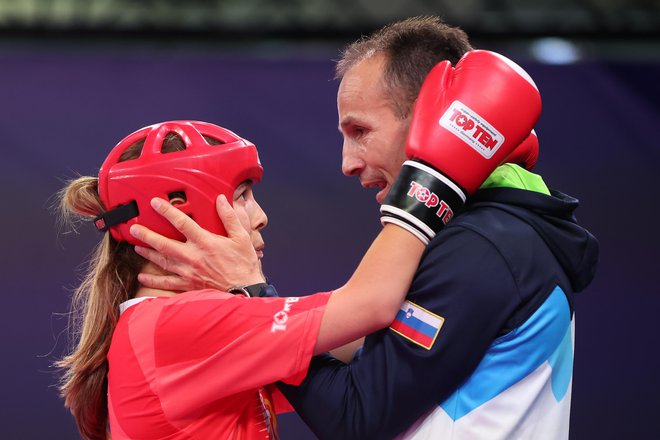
[[204, 260]]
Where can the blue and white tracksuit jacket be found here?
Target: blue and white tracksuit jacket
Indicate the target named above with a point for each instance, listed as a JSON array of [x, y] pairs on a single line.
[[483, 347]]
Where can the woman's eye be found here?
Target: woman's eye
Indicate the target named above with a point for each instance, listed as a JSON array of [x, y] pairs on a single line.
[[244, 194]]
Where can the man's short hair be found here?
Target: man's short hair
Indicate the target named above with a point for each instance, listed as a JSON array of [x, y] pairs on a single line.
[[411, 48]]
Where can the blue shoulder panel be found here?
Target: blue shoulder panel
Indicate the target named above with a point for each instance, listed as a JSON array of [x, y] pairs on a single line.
[[545, 336]]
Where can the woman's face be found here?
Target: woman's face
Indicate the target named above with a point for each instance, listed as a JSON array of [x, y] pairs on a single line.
[[252, 217]]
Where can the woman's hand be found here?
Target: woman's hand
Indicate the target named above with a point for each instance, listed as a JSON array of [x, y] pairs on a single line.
[[204, 260]]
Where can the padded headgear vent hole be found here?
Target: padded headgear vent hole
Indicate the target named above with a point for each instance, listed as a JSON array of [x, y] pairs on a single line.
[[213, 141], [177, 198], [171, 143], [133, 151]]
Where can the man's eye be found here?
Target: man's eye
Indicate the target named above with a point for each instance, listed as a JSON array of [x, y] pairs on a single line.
[[357, 132]]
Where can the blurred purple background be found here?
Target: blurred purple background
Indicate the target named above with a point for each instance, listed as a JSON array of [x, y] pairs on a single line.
[[63, 109]]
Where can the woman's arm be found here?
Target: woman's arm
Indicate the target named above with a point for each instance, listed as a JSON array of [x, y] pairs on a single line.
[[346, 352], [367, 302], [370, 300]]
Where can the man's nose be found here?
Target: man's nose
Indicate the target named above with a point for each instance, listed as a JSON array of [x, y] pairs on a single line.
[[351, 163]]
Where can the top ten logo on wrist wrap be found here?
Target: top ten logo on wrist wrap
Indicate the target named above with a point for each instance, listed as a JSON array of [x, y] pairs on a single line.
[[471, 128]]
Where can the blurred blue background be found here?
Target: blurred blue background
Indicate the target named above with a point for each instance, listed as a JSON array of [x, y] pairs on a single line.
[[75, 77]]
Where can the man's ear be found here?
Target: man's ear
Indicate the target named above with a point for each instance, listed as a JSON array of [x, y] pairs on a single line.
[[406, 113]]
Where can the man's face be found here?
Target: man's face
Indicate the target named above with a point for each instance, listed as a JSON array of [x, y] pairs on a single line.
[[374, 136]]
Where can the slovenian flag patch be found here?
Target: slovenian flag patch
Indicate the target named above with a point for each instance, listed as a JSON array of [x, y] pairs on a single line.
[[417, 324]]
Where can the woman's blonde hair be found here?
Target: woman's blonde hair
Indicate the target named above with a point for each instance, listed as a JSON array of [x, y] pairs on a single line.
[[110, 279]]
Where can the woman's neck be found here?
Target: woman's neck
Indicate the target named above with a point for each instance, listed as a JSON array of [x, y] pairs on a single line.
[[148, 291], [143, 291]]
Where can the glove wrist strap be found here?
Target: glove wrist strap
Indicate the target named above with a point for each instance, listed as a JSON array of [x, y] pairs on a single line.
[[422, 198]]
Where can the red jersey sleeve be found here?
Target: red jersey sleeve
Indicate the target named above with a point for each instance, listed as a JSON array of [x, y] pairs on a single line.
[[211, 344]]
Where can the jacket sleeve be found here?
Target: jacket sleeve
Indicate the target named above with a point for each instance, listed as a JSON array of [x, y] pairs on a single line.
[[466, 284]]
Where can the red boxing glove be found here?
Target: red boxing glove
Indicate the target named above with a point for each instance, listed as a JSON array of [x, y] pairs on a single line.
[[527, 153], [466, 121]]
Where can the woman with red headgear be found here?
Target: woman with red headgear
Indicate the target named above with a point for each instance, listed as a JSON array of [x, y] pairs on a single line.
[[165, 364]]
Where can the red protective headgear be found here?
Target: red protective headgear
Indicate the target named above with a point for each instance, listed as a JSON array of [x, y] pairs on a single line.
[[201, 172]]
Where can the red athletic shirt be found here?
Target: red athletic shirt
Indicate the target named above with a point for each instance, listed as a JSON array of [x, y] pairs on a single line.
[[196, 366]]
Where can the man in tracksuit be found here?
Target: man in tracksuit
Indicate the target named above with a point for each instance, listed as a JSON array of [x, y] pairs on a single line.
[[483, 346]]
